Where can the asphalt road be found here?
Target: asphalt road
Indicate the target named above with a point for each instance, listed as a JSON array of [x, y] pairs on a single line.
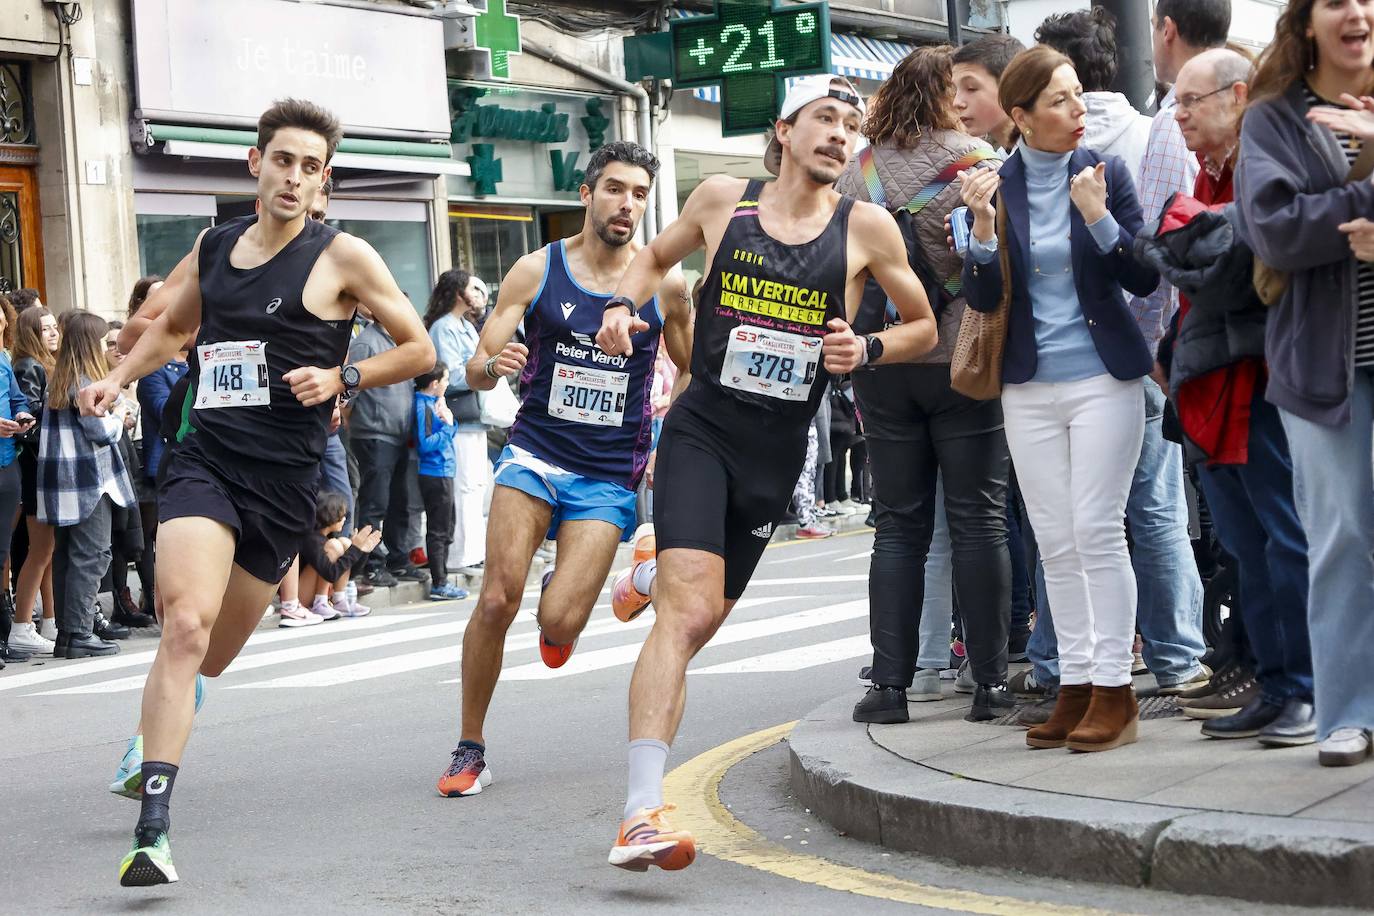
[[308, 786]]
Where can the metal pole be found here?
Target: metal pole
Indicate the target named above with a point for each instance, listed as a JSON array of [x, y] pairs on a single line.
[[1135, 77], [952, 20]]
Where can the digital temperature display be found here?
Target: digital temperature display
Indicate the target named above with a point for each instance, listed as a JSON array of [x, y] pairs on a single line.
[[749, 48]]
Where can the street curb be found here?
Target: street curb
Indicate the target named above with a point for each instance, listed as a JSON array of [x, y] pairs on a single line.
[[874, 795]]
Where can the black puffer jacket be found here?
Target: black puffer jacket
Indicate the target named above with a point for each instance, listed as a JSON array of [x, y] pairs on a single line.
[[1198, 250]]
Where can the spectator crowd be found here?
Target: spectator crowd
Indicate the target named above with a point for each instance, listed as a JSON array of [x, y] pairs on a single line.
[[1152, 398]]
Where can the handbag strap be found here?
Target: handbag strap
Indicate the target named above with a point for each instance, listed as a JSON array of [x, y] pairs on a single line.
[[874, 185], [1004, 254]]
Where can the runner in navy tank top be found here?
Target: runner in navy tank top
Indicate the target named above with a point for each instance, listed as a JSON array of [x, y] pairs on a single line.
[[273, 296], [579, 446], [787, 263]]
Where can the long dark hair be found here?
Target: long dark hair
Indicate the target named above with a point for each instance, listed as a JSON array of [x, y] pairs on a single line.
[[140, 292], [918, 96], [1288, 56], [82, 355], [451, 288]]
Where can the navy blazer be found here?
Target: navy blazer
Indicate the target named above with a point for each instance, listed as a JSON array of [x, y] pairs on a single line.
[[1099, 278]]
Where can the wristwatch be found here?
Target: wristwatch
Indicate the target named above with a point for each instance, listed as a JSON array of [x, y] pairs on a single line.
[[873, 349], [352, 380], [621, 302]]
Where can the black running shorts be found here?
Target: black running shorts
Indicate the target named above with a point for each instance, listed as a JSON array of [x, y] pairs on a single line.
[[270, 513], [722, 480]]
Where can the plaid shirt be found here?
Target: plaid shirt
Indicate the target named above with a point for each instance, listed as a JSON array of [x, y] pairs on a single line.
[[1167, 168], [78, 463]]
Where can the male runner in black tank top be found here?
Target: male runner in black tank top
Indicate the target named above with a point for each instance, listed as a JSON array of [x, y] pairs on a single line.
[[273, 296], [788, 261]]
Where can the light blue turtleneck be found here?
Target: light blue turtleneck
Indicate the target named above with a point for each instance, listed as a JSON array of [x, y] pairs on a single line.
[[1065, 351]]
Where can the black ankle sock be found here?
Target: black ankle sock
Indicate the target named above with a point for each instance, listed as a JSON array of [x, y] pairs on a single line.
[[474, 745], [155, 817]]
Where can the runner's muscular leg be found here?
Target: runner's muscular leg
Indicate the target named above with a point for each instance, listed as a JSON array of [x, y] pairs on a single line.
[[515, 529], [688, 609], [239, 615], [197, 555], [586, 551]]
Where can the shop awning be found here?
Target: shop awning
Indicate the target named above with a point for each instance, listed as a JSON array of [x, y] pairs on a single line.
[[850, 55], [366, 155]]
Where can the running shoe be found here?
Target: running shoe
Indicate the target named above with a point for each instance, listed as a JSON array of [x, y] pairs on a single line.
[[814, 532], [128, 780], [349, 608], [646, 839], [447, 592], [149, 862], [325, 609], [555, 656], [467, 774], [627, 602], [298, 616]]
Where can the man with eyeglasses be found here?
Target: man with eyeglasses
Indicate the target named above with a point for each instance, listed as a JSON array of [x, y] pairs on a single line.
[[1247, 478]]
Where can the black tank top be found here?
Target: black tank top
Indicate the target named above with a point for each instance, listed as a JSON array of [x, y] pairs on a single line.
[[763, 311], [254, 328]]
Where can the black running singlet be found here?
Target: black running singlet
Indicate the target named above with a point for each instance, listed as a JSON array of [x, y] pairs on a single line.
[[254, 329], [763, 311]]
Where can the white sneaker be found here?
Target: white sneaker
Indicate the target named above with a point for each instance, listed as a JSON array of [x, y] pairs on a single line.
[[325, 610], [1345, 748], [25, 638], [298, 617], [925, 686], [49, 630]]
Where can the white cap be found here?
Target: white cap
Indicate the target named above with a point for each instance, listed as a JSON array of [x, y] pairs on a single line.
[[803, 92]]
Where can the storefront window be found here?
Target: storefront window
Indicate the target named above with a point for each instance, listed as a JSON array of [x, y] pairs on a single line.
[[488, 245], [164, 240], [404, 246]]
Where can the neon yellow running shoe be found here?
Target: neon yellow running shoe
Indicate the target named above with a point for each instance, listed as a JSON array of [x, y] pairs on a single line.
[[149, 862]]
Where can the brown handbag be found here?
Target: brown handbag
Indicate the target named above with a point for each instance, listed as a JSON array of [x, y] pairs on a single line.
[[1270, 283], [976, 369]]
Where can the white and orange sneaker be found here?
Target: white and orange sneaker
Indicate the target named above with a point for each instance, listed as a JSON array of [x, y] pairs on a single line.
[[627, 602], [646, 839]]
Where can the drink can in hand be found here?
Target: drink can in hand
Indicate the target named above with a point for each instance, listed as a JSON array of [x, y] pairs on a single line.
[[959, 230]]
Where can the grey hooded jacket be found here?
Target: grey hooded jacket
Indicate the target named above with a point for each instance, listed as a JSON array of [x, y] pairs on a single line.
[[1291, 195]]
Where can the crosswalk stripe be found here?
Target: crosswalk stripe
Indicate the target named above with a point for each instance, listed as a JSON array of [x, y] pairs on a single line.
[[434, 658], [855, 556], [283, 656], [803, 582], [93, 666], [822, 653], [583, 662], [810, 556]]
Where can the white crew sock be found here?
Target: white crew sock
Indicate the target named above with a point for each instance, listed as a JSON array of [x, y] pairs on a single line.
[[643, 578], [648, 759], [291, 605]]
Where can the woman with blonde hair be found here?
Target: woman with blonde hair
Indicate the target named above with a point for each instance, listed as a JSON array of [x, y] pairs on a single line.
[[35, 347], [82, 477]]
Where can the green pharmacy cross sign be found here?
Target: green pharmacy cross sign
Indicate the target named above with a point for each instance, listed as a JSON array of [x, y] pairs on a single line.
[[499, 35], [750, 47]]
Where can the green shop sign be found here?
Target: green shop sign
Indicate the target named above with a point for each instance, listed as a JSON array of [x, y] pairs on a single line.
[[480, 119]]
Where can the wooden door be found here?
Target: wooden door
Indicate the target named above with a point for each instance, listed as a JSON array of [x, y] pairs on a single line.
[[21, 239]]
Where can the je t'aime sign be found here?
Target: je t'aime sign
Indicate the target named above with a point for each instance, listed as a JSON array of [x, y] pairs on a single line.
[[232, 59]]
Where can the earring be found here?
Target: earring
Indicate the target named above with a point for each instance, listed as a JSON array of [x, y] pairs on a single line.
[[1311, 52], [1027, 132]]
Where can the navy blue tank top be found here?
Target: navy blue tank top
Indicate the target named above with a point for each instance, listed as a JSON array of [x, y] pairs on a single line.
[[582, 410], [255, 328], [762, 314]]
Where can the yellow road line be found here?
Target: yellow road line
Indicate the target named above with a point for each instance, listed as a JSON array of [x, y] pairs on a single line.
[[695, 787]]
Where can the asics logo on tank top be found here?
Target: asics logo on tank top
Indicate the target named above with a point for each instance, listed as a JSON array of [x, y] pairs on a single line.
[[568, 308], [274, 305]]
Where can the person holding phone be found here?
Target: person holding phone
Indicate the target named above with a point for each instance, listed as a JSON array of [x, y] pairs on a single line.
[[15, 419]]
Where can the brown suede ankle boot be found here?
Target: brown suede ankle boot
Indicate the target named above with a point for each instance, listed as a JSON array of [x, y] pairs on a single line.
[[1110, 721], [1068, 710]]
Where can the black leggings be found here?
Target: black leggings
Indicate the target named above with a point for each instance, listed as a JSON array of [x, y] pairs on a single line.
[[916, 427], [857, 449]]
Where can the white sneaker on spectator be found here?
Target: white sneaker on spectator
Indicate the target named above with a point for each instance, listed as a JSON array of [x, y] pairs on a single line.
[[350, 608], [293, 615], [325, 609], [49, 629], [25, 638]]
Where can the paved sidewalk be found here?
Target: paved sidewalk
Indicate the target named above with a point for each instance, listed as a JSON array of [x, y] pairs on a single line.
[[1174, 811]]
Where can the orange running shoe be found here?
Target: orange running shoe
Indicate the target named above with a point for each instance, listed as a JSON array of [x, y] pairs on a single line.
[[628, 602], [647, 839], [554, 655], [466, 774]]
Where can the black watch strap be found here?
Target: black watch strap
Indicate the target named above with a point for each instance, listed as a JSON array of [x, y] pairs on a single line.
[[619, 302]]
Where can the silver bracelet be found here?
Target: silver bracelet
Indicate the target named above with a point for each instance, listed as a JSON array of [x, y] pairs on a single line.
[[491, 373]]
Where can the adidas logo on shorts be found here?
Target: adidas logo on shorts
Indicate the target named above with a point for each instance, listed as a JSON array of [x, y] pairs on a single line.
[[763, 531]]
